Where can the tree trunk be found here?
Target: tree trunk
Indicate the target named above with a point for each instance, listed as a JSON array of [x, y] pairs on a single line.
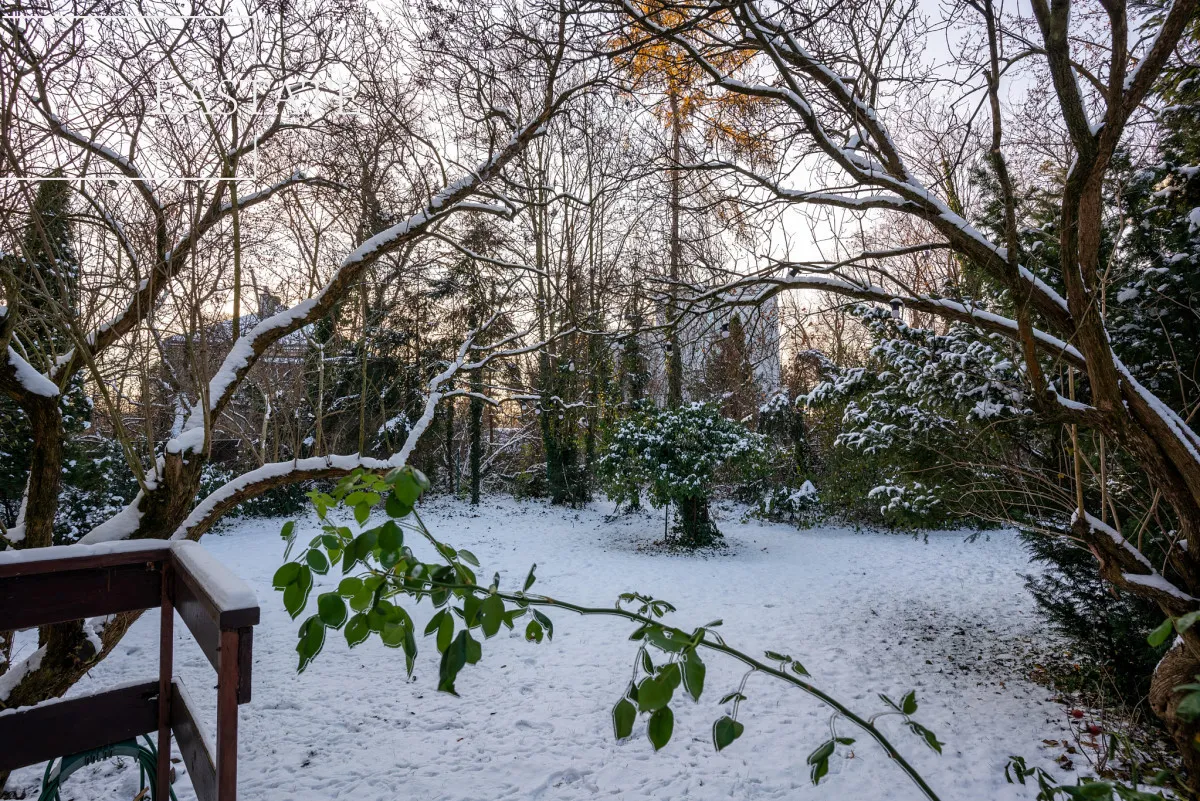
[[694, 527], [675, 356], [1179, 666], [476, 429], [451, 458], [45, 470]]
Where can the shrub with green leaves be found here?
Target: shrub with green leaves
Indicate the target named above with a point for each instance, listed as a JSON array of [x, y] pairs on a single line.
[[677, 457], [382, 573]]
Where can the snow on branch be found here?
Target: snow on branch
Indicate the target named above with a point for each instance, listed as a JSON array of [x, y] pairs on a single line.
[[142, 302], [1122, 563], [257, 481], [247, 350], [733, 293], [28, 377]]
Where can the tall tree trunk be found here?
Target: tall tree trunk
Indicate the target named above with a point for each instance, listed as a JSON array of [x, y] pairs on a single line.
[[476, 432], [45, 470], [675, 357], [451, 456]]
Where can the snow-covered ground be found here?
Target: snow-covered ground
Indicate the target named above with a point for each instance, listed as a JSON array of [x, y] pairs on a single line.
[[865, 612]]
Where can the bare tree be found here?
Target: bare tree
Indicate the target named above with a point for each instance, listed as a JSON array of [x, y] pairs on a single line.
[[175, 239], [838, 75]]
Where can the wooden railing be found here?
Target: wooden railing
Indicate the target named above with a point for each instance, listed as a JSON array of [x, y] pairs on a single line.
[[55, 585]]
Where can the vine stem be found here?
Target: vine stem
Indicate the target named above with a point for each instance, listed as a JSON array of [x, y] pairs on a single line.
[[720, 647]]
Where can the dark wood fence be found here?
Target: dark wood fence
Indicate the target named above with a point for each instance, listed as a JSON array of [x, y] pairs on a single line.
[[55, 585]]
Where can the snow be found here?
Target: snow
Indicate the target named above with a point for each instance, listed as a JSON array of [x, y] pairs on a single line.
[[1157, 582], [1193, 219], [191, 440], [34, 555], [118, 527], [223, 586], [806, 491], [1097, 525], [19, 670], [946, 617], [29, 378]]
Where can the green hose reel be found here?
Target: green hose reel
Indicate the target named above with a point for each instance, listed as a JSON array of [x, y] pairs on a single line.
[[145, 755]]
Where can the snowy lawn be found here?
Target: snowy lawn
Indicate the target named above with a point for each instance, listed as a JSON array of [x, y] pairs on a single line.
[[865, 613]]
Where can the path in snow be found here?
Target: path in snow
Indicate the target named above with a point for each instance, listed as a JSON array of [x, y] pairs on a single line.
[[865, 613]]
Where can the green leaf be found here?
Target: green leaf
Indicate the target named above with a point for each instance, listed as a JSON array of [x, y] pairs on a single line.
[[474, 650], [410, 650], [653, 694], [799, 668], [295, 596], [530, 578], [396, 507], [434, 622], [1189, 707], [361, 512], [546, 623], [468, 557], [491, 614], [930, 739], [1185, 622], [445, 632], [312, 638], [725, 731], [391, 537], [662, 723], [453, 660], [671, 674], [533, 631], [362, 599], [407, 485], [819, 760], [470, 610], [317, 561], [693, 675], [393, 634], [364, 544], [819, 770], [288, 528], [1090, 791], [1160, 634], [667, 641], [822, 752], [285, 575], [357, 629], [331, 609], [623, 716], [908, 704], [733, 697], [349, 587]]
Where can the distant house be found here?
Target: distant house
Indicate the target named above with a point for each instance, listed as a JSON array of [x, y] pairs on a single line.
[[275, 385], [701, 337]]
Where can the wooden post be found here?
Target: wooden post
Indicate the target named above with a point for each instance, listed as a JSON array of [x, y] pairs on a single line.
[[227, 716], [166, 651]]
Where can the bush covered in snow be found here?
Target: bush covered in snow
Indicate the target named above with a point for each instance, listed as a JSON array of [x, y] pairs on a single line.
[[895, 427], [678, 456]]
